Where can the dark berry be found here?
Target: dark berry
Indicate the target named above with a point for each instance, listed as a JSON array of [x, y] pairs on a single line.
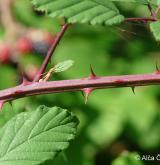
[[41, 48]]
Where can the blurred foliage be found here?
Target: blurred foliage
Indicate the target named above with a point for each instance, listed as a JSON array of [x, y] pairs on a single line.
[[114, 120], [127, 158]]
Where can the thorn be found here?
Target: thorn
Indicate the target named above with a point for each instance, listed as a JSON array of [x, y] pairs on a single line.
[[92, 75], [25, 81], [1, 104], [133, 90], [86, 93]]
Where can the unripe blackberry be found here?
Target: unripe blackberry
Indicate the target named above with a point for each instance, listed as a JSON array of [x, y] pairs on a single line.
[[5, 54], [24, 45]]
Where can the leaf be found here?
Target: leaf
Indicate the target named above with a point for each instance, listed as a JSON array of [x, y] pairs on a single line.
[[81, 11], [155, 28], [63, 66], [31, 138]]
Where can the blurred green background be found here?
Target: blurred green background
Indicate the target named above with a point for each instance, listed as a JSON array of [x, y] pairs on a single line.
[[115, 125]]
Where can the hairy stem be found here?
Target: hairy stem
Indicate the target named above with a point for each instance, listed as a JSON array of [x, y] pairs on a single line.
[[37, 88], [50, 52]]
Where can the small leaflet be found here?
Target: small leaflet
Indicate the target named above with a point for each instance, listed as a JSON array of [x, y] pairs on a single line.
[[63, 66], [60, 67]]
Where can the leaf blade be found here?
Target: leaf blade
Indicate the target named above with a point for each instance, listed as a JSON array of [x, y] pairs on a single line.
[[63, 66], [32, 138], [82, 11]]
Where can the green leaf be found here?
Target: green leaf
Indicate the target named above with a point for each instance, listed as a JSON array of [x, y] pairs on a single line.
[[81, 11], [31, 138], [63, 66], [155, 28]]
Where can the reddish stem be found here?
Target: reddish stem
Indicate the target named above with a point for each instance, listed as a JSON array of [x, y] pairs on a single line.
[[50, 52], [141, 19], [38, 88]]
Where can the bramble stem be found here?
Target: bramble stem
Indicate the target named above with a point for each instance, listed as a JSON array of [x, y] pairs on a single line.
[[152, 19], [37, 88], [50, 52]]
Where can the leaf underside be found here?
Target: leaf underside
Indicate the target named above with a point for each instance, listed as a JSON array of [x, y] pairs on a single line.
[[31, 138], [81, 11]]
